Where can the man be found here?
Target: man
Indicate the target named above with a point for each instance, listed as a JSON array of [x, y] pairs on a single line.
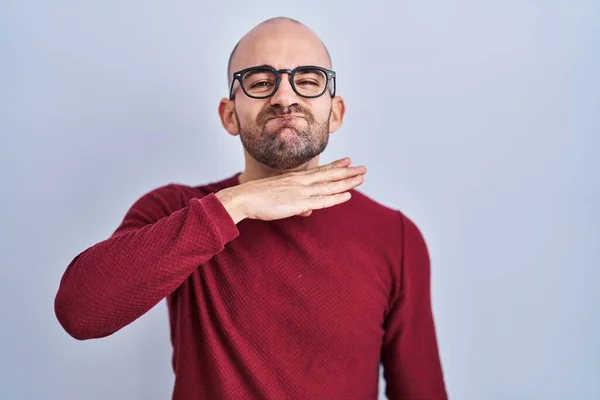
[[283, 281]]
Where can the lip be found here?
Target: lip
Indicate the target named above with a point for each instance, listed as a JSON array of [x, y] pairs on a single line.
[[287, 117]]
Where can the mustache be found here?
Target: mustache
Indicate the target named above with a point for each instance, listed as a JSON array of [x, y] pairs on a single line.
[[279, 111]]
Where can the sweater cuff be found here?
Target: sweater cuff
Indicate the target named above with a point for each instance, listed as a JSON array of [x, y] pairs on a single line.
[[224, 225]]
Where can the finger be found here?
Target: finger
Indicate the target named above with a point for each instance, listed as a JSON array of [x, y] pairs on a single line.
[[305, 214], [335, 174], [319, 202], [342, 162], [334, 187]]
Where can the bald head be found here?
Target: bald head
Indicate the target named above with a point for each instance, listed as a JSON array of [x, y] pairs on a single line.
[[277, 38]]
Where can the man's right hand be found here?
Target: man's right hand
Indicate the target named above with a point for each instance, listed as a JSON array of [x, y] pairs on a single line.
[[292, 193]]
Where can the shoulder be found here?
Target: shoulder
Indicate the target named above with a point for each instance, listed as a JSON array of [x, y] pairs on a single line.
[[378, 217], [173, 196], [152, 206], [163, 201], [374, 213]]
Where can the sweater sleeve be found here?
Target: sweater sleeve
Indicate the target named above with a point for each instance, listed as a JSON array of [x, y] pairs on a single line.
[[116, 281], [410, 358]]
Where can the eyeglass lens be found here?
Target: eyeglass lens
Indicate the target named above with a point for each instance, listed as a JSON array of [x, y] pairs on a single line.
[[308, 82]]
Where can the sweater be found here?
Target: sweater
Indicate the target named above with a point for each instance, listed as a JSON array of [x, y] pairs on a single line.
[[298, 308]]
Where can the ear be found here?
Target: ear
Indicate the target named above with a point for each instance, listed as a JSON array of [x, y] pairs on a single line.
[[228, 117], [338, 109]]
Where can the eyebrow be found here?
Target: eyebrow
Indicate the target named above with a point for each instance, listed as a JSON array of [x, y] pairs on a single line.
[[252, 73]]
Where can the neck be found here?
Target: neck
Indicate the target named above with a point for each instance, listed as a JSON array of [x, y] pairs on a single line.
[[255, 170]]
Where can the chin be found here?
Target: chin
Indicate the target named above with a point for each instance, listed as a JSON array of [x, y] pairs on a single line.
[[289, 130]]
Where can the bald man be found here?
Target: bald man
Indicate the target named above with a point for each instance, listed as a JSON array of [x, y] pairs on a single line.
[[282, 281]]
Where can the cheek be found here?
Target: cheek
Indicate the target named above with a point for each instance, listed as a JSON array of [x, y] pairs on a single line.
[[248, 112], [321, 111]]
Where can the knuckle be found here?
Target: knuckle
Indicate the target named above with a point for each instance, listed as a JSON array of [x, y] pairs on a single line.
[[329, 187]]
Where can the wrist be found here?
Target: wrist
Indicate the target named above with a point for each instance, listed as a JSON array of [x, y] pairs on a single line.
[[232, 203]]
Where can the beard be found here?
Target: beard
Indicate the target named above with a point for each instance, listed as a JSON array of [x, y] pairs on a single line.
[[289, 144]]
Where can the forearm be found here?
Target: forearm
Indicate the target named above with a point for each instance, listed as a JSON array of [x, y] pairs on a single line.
[[116, 281]]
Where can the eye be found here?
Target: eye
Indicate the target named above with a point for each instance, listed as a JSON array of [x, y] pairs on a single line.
[[261, 85], [310, 81], [258, 81], [307, 82]]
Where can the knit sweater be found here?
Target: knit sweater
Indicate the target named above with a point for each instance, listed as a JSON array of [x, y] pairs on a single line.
[[298, 308]]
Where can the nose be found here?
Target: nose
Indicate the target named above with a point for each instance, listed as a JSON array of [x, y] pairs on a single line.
[[285, 95]]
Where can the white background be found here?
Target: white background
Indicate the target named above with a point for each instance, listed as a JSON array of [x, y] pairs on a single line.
[[478, 119]]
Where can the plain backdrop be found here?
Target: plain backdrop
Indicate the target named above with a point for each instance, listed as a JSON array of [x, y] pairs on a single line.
[[477, 119]]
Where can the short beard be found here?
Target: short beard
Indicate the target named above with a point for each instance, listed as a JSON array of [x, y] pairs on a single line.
[[276, 152]]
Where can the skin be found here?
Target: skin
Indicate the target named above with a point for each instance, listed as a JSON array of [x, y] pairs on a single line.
[[284, 132]]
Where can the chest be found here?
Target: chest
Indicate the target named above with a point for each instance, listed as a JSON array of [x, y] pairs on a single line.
[[278, 282]]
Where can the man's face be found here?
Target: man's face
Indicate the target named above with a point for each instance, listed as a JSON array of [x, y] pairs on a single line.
[[283, 131]]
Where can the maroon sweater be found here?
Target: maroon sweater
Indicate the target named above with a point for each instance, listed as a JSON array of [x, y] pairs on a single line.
[[299, 308]]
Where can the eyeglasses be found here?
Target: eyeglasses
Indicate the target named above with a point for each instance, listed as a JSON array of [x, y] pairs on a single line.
[[263, 81]]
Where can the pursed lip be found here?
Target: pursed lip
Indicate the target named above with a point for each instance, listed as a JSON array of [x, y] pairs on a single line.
[[286, 116]]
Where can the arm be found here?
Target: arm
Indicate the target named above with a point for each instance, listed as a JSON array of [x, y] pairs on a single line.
[[412, 367], [114, 282]]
